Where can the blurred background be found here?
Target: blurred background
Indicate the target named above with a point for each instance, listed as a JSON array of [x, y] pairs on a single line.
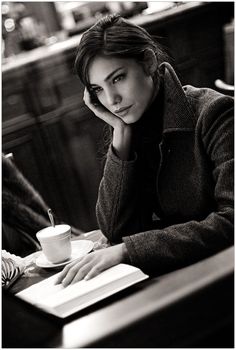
[[28, 25], [51, 134]]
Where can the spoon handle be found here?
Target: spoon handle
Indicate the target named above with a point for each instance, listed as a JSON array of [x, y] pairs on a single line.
[[51, 217]]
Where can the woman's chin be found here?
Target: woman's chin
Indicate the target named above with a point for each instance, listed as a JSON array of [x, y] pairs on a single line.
[[131, 119]]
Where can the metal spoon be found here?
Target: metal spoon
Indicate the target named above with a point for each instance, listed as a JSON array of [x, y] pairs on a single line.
[[51, 217]]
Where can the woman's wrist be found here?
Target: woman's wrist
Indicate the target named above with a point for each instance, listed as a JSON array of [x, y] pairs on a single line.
[[122, 142], [122, 253], [125, 254]]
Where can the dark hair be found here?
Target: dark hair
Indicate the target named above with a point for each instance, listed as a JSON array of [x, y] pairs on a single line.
[[114, 36]]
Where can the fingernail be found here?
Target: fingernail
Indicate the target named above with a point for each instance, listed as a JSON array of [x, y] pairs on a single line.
[[64, 284]]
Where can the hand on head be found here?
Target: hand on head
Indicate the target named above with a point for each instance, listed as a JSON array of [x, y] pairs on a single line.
[[101, 112]]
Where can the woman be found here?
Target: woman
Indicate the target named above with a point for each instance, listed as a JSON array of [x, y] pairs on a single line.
[[166, 196]]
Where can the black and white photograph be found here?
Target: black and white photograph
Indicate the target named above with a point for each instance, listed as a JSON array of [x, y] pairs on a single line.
[[117, 174]]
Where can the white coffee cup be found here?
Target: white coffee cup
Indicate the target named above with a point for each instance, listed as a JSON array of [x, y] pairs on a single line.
[[55, 242]]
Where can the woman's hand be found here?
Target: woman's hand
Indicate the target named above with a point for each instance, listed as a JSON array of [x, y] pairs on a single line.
[[101, 112], [122, 133], [92, 264]]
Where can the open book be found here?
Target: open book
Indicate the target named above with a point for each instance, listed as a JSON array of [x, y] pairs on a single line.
[[64, 301]]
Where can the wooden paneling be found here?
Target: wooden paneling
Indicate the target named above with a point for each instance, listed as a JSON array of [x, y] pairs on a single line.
[[195, 40]]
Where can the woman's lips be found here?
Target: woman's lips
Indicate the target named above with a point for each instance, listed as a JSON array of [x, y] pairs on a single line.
[[122, 111]]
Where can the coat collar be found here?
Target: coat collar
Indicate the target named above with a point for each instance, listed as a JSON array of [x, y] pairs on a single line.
[[177, 114]]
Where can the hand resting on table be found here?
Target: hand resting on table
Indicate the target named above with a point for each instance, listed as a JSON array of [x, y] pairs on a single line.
[[92, 264]]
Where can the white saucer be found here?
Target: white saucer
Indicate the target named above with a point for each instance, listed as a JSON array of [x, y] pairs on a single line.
[[79, 249]]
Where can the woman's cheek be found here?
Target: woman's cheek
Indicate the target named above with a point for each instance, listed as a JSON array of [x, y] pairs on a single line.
[[101, 100]]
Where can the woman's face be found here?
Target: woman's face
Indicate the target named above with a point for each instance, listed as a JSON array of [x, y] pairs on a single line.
[[122, 86]]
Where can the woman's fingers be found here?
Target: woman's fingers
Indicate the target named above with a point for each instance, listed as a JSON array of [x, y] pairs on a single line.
[[89, 103], [76, 270], [76, 273], [66, 270], [94, 271], [87, 97], [91, 265]]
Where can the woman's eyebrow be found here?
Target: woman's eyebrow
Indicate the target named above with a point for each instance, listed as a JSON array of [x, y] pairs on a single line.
[[112, 73], [109, 76]]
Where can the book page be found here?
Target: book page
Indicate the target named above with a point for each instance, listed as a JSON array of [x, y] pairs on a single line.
[[101, 282], [46, 292], [41, 290]]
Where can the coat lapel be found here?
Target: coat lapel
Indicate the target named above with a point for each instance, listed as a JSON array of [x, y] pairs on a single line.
[[178, 115]]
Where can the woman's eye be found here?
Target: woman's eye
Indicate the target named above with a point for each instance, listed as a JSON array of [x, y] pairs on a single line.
[[97, 90], [118, 78]]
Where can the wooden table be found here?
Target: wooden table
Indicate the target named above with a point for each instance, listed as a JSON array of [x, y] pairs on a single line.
[[191, 307]]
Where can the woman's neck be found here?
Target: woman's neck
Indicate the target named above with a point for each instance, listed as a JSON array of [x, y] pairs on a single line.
[[154, 111]]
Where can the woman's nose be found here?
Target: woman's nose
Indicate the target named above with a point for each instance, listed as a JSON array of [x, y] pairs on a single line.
[[113, 98]]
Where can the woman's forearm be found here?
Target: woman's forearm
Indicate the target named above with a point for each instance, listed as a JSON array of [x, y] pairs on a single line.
[[122, 141]]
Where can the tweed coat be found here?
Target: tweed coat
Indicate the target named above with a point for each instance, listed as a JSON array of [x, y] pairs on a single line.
[[194, 184]]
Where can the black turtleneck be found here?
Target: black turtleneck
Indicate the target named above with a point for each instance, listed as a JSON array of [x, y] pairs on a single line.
[[147, 136]]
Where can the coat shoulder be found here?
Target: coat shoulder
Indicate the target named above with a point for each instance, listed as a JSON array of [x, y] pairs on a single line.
[[208, 104]]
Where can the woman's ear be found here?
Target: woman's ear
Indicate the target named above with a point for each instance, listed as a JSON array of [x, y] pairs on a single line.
[[150, 62]]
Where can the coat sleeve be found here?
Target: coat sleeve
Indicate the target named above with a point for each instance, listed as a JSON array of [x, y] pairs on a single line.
[[119, 206], [175, 246]]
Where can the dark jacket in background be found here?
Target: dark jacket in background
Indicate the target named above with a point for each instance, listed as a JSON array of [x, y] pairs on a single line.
[[24, 211], [194, 184]]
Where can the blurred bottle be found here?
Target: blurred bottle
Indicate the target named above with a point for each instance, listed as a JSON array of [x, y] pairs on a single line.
[[20, 30], [32, 33], [10, 30], [67, 20]]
